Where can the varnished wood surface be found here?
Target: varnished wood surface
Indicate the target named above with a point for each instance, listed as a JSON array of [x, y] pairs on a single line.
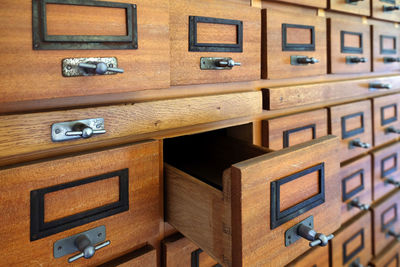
[[315, 257], [29, 74], [377, 31], [377, 11], [145, 256], [355, 236], [362, 180], [358, 8], [185, 64], [312, 3], [126, 231], [390, 257], [336, 113]]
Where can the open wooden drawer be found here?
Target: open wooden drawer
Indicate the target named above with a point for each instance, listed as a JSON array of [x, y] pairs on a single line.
[[236, 201]]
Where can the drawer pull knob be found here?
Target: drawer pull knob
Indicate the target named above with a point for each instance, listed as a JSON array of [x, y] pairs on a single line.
[[227, 63], [353, 1], [358, 143], [87, 250], [218, 63], [356, 203], [356, 60], [391, 232], [391, 59], [392, 129], [84, 131], [317, 239], [302, 60], [99, 67], [392, 182], [380, 86], [390, 8]]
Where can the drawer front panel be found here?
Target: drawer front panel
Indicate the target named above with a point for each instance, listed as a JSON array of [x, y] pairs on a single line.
[[359, 8], [145, 256], [386, 166], [349, 47], [312, 3], [386, 110], [379, 13], [354, 242], [386, 43], [294, 129], [356, 186], [314, 174], [203, 31], [388, 258], [145, 65], [315, 257], [302, 37], [352, 122], [116, 188], [385, 219]]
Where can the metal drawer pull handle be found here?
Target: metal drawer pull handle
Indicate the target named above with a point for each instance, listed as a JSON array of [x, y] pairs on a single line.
[[227, 63], [100, 67], [84, 131], [390, 8], [358, 143], [392, 182], [83, 244], [353, 1], [218, 63], [356, 60], [394, 234], [357, 204], [70, 130], [307, 60], [380, 86], [391, 129], [317, 239], [391, 59]]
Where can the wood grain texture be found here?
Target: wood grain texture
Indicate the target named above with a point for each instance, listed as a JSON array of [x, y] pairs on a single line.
[[379, 156], [178, 253], [225, 224], [378, 209], [390, 257], [385, 108], [338, 113], [377, 11], [312, 3], [378, 64], [29, 74], [359, 8], [145, 256], [185, 64], [365, 195], [273, 129], [315, 257], [349, 236], [337, 57], [126, 230], [275, 61], [27, 133], [279, 97]]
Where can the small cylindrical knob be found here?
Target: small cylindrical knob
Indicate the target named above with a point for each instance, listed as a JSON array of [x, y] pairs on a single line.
[[380, 86], [392, 182], [354, 1], [100, 67], [358, 60], [391, 59], [358, 143], [394, 234], [87, 250], [392, 129], [390, 8], [227, 63], [84, 131], [317, 239], [307, 60], [356, 203]]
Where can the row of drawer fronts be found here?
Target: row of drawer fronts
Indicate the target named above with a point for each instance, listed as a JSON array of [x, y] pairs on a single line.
[[55, 199], [236, 216], [211, 34]]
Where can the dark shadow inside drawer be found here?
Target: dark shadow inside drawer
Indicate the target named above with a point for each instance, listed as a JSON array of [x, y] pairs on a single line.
[[206, 156]]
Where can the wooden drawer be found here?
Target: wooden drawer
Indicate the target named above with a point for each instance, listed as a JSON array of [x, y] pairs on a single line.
[[359, 8], [315, 257], [379, 13], [116, 188], [385, 220], [386, 41], [386, 166], [278, 133], [32, 74], [386, 121], [356, 179], [390, 257], [312, 3], [353, 243], [348, 42], [201, 29], [181, 252], [145, 256], [236, 201], [302, 38], [352, 122]]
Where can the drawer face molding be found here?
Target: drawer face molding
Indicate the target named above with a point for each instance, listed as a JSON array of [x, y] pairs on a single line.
[[279, 216], [41, 228], [195, 46]]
